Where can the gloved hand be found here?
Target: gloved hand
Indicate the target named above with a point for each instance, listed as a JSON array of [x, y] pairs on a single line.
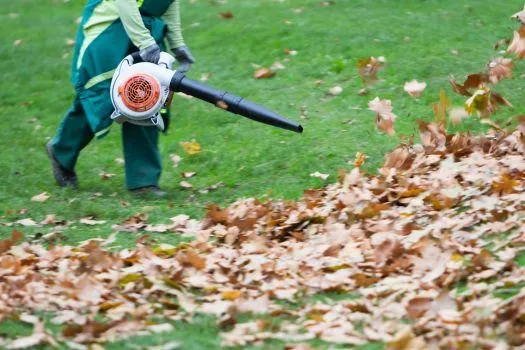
[[150, 54], [184, 57]]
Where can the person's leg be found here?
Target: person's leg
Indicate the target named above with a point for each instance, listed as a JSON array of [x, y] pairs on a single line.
[[74, 133], [141, 156]]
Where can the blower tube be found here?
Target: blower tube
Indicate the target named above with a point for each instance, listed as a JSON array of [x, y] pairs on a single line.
[[231, 103]]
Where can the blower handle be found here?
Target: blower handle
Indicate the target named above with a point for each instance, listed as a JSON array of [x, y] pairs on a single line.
[[136, 57], [183, 67]]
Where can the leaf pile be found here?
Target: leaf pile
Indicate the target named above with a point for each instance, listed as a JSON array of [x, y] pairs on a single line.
[[429, 245]]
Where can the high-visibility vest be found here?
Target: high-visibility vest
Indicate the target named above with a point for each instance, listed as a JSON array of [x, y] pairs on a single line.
[[154, 8]]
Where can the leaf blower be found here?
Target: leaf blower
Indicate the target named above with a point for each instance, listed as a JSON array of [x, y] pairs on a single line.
[[140, 90]]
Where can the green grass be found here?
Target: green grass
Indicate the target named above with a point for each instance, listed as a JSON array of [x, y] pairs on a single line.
[[252, 160]]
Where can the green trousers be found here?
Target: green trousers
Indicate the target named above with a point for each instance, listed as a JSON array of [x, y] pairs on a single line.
[[141, 151]]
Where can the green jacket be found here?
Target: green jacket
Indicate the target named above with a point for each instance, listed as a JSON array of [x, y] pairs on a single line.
[[110, 30]]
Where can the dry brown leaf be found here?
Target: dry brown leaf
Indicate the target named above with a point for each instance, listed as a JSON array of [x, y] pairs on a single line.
[[263, 73], [384, 117], [226, 15], [440, 109], [231, 294], [360, 159], [369, 67], [26, 222], [49, 220], [520, 16], [6, 244], [334, 91], [500, 68], [290, 52], [91, 221], [415, 88], [517, 45], [457, 115], [320, 175], [42, 197], [105, 176], [205, 76], [185, 184], [175, 158]]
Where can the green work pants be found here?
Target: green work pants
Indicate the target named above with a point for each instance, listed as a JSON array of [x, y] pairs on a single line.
[[141, 151]]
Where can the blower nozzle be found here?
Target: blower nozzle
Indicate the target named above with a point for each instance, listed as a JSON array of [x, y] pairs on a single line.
[[231, 103]]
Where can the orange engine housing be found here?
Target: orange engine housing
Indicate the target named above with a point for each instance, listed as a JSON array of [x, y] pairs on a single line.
[[140, 92]]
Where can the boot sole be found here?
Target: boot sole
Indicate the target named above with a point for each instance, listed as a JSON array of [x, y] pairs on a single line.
[[56, 169]]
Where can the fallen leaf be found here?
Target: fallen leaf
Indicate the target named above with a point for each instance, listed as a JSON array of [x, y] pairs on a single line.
[[320, 175], [500, 68], [414, 88], [105, 176], [263, 73], [205, 76], [369, 67], [277, 66], [334, 91], [161, 328], [457, 115], [185, 184], [6, 244], [26, 222], [231, 294], [42, 197], [49, 219], [517, 45], [175, 159], [520, 16], [384, 117], [91, 221], [226, 15], [360, 159], [480, 102], [440, 109], [191, 147]]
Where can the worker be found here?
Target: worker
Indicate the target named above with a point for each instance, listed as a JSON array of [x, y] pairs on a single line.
[[109, 31]]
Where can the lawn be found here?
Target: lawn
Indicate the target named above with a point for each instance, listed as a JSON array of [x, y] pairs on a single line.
[[427, 40]]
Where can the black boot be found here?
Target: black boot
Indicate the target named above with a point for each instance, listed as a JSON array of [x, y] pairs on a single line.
[[153, 191], [63, 176]]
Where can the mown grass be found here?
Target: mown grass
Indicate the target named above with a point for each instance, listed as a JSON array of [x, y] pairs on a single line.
[[416, 37]]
